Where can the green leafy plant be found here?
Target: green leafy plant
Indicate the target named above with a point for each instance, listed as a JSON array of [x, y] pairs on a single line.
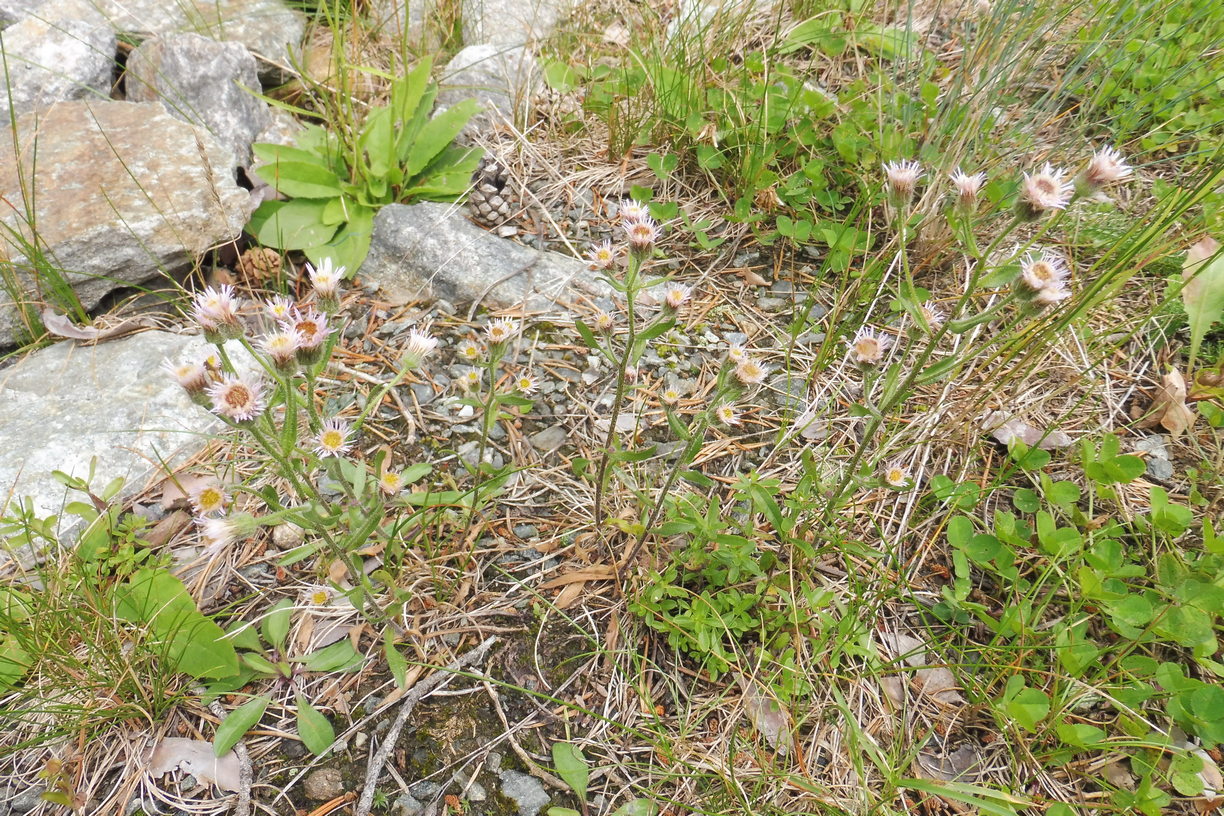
[[574, 769], [336, 184]]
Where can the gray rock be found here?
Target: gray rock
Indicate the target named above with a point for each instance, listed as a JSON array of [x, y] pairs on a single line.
[[27, 800], [267, 28], [13, 11], [1159, 465], [550, 438], [323, 784], [501, 78], [511, 22], [526, 530], [205, 82], [788, 391], [64, 50], [123, 192], [64, 405], [408, 805], [526, 791], [430, 250]]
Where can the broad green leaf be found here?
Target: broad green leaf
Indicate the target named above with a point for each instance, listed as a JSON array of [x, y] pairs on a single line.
[[14, 661], [572, 767], [1029, 707], [437, 134], [238, 722], [339, 656], [300, 180], [192, 642], [637, 807], [271, 152], [244, 636], [276, 624], [1203, 292], [377, 143], [315, 729], [296, 224], [561, 811], [395, 662], [349, 246]]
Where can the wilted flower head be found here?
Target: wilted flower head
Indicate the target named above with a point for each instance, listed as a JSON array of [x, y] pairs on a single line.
[[933, 315], [391, 482], [642, 235], [326, 279], [208, 498], [1105, 167], [674, 295], [193, 377], [867, 347], [967, 189], [1042, 191], [602, 256], [896, 476], [501, 331], [238, 398], [631, 210], [281, 347], [725, 414], [279, 308], [333, 438], [1051, 295], [525, 383], [216, 310], [1042, 271], [750, 372], [902, 180], [216, 533], [418, 346]]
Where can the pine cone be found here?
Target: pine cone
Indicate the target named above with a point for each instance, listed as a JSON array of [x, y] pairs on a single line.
[[491, 201]]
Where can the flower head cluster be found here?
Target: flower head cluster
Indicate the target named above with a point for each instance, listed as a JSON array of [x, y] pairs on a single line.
[[1105, 167], [237, 398], [868, 346], [1041, 192], [902, 177], [1043, 279], [216, 310]]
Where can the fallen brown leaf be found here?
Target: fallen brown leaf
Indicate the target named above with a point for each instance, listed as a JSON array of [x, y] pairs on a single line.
[[61, 326], [767, 715], [603, 572], [196, 757], [1169, 409]]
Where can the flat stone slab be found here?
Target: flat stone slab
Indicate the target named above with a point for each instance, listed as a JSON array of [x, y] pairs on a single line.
[[64, 405]]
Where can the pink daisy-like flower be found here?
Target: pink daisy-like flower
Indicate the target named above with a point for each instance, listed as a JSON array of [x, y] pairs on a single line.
[[933, 315], [903, 179], [193, 377], [867, 347], [726, 414], [311, 326], [631, 210], [501, 331], [216, 310], [897, 476], [1042, 191], [674, 295], [391, 482], [333, 438], [602, 256], [279, 308], [326, 279], [643, 235], [1105, 167], [208, 499], [418, 346], [750, 372], [238, 398], [1042, 271], [281, 347], [967, 189]]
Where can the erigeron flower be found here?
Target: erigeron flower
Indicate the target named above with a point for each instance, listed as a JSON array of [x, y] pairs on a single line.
[[312, 330], [281, 347], [525, 383], [216, 533], [902, 180], [469, 350], [193, 377], [1042, 191], [216, 310], [279, 308], [671, 395], [1105, 167], [333, 438], [674, 295], [896, 476], [319, 595], [326, 279], [1044, 271], [602, 256], [207, 499], [867, 347], [501, 331], [391, 482], [933, 315], [750, 372], [967, 189], [603, 321], [1051, 295], [631, 210], [471, 378], [238, 398], [726, 414], [417, 347], [736, 352], [642, 235]]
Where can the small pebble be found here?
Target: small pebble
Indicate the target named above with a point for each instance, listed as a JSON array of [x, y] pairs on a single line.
[[324, 784]]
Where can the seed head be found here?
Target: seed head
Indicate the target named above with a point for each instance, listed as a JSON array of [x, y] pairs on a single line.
[[216, 533], [902, 180], [237, 398], [867, 347], [418, 346], [333, 438], [1105, 167], [1042, 191]]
